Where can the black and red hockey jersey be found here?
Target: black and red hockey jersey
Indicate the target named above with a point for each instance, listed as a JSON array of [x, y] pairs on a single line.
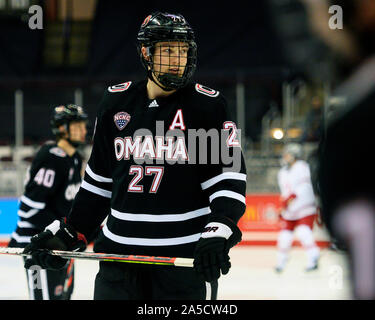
[[157, 185]]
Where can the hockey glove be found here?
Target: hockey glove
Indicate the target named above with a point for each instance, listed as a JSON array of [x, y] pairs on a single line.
[[211, 254], [57, 236]]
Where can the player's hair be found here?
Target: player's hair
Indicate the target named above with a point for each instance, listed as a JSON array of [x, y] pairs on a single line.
[[166, 27]]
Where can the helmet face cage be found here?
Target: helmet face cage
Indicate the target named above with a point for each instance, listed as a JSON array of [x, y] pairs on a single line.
[[171, 52], [64, 115]]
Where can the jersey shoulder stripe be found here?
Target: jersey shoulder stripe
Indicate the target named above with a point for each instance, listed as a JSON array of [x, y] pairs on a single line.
[[118, 95], [120, 87], [206, 90]]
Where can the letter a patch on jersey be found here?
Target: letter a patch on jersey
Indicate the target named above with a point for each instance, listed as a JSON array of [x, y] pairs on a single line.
[[178, 121]]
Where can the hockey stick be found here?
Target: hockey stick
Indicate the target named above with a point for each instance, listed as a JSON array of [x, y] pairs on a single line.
[[166, 261]]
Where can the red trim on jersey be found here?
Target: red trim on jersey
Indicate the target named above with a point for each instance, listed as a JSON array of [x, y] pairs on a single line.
[[285, 202], [120, 87]]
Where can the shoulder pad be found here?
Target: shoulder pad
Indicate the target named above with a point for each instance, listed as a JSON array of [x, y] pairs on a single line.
[[120, 87], [58, 152], [206, 90]]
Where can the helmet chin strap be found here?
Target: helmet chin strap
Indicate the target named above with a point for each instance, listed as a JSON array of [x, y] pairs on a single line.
[[152, 76]]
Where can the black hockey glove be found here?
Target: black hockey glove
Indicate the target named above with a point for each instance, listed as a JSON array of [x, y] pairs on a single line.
[[211, 254], [57, 236]]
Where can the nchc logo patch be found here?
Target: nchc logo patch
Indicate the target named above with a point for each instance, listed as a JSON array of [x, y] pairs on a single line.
[[121, 119]]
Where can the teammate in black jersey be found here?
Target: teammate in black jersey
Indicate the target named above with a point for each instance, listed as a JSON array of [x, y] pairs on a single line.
[[52, 182], [165, 192]]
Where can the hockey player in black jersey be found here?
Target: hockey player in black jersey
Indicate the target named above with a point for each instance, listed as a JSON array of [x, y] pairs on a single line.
[[52, 182], [164, 193]]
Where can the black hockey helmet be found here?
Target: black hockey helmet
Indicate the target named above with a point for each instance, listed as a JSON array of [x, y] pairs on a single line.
[[64, 115], [166, 27]]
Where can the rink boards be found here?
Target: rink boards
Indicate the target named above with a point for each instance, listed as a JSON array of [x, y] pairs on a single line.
[[259, 224]]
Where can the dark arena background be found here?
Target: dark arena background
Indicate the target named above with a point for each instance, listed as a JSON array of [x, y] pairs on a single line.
[[265, 58]]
